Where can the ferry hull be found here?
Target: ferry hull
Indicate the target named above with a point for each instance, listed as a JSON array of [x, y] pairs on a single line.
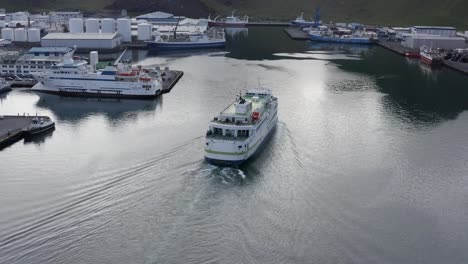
[[60, 88], [161, 46], [316, 37], [231, 159], [99, 95]]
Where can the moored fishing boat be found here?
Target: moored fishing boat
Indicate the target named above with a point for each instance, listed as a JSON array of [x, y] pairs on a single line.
[[412, 54], [301, 22], [230, 21], [186, 42], [430, 56], [238, 132], [5, 86]]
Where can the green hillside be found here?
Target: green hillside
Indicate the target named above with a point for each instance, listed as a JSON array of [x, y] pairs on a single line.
[[395, 12], [384, 12]]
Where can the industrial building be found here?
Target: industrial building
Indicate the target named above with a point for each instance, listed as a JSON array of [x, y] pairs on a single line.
[[438, 31], [83, 41], [160, 18], [437, 42], [37, 59]]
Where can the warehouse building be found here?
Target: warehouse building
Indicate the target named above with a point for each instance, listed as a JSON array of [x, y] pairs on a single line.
[[83, 41], [436, 42], [438, 31]]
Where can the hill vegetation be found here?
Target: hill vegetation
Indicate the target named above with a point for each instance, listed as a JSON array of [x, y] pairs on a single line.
[[382, 12]]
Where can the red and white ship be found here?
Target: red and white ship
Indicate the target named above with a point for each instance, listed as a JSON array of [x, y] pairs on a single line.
[[230, 21], [430, 56]]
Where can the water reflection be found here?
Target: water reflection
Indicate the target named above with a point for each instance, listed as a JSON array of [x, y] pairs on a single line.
[[39, 139], [237, 33], [258, 45], [410, 94], [74, 109], [354, 49]]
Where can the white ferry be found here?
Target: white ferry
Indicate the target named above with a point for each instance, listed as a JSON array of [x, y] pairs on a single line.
[[75, 77], [239, 131]]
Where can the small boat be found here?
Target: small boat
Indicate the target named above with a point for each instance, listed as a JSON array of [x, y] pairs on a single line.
[[5, 86], [356, 38], [187, 42], [431, 56], [412, 54], [39, 125], [301, 22], [23, 82], [238, 132], [230, 21]]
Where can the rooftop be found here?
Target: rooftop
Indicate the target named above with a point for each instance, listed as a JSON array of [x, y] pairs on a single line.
[[80, 36], [49, 49], [434, 27], [154, 15]]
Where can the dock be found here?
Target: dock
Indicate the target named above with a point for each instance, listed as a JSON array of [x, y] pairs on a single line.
[[135, 45], [457, 66], [12, 129], [170, 79], [268, 24], [296, 33], [394, 46]]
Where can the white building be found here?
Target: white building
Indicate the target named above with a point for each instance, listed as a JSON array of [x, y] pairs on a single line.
[[438, 31], [17, 16], [99, 41], [35, 60], [436, 42], [63, 17]]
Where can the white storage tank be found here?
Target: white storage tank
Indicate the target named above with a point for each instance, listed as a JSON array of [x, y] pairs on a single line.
[[107, 25], [20, 35], [7, 33], [76, 25], [34, 35], [92, 25], [145, 31], [124, 28]]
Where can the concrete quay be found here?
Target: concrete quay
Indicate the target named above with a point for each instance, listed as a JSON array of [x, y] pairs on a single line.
[[12, 129]]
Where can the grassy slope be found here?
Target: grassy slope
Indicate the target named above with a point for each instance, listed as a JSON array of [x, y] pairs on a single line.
[[395, 12]]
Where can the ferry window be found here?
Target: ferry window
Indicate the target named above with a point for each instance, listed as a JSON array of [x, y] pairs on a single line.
[[217, 131]]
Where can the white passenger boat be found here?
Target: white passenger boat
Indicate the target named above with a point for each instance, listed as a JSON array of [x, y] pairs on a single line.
[[239, 131], [74, 77], [39, 125]]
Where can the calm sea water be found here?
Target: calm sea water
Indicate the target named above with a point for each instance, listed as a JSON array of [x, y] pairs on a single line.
[[368, 164]]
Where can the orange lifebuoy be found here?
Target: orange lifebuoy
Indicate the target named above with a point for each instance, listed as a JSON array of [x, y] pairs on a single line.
[[255, 115]]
